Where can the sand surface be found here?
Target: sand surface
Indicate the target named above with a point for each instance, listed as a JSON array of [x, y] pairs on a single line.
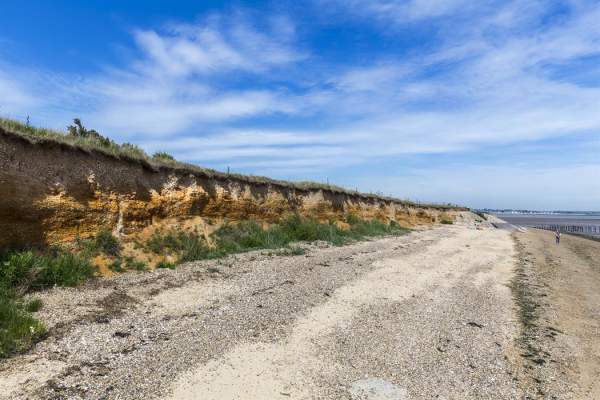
[[429, 315], [563, 284]]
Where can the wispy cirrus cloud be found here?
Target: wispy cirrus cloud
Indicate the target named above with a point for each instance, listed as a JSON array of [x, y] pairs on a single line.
[[179, 78]]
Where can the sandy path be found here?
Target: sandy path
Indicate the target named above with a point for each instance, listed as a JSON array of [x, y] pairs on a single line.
[[427, 315], [315, 350]]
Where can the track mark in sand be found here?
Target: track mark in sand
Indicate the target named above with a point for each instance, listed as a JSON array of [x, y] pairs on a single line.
[[289, 367], [377, 389]]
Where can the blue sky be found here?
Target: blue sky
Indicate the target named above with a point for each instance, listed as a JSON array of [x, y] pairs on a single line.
[[486, 104]]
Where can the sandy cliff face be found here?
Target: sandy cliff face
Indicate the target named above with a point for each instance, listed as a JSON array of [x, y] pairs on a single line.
[[52, 193]]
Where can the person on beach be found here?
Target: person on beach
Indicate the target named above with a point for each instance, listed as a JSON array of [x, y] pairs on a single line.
[[557, 235]]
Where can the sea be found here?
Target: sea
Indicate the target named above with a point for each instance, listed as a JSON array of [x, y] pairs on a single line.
[[577, 222]]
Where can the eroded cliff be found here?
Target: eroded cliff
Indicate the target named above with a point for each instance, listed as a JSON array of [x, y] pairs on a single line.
[[53, 193]]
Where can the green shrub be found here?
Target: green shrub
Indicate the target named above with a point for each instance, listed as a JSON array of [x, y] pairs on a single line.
[[34, 305], [21, 270], [160, 243], [116, 266], [27, 270], [78, 131], [446, 222], [136, 265], [18, 329], [133, 151], [161, 155], [165, 265], [65, 269], [192, 247], [24, 271], [107, 243], [104, 242]]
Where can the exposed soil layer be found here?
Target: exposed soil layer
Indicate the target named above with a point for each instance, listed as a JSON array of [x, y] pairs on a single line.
[[53, 193], [557, 289]]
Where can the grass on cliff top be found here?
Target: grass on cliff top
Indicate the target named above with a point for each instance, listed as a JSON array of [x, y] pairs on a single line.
[[88, 139], [250, 235]]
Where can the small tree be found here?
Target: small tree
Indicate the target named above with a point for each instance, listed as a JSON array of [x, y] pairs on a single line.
[[79, 131]]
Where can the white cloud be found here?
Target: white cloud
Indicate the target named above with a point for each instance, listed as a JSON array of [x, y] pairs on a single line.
[[216, 45], [207, 91]]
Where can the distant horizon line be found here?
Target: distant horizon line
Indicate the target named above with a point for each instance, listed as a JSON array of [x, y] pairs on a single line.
[[527, 211]]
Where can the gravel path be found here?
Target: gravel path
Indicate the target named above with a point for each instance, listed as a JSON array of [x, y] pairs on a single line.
[[424, 316]]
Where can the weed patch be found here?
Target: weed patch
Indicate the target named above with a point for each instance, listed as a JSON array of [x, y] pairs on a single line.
[[165, 265], [104, 242], [25, 271], [250, 235], [19, 330]]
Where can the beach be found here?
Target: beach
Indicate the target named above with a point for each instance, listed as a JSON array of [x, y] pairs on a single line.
[[456, 311], [557, 291]]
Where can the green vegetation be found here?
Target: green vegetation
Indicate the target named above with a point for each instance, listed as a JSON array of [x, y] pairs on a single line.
[[26, 271], [19, 330], [134, 265], [79, 132], [88, 139], [446, 222], [116, 266], [165, 265], [106, 243], [250, 235], [32, 271], [161, 155], [34, 305]]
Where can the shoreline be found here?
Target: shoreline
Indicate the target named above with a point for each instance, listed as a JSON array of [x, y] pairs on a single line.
[[555, 288]]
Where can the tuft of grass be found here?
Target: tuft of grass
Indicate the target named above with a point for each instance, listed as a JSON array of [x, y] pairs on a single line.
[[446, 222], [165, 265], [116, 266], [65, 269], [132, 264], [107, 243], [161, 155], [103, 242], [25, 271], [34, 305], [19, 330], [250, 235]]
